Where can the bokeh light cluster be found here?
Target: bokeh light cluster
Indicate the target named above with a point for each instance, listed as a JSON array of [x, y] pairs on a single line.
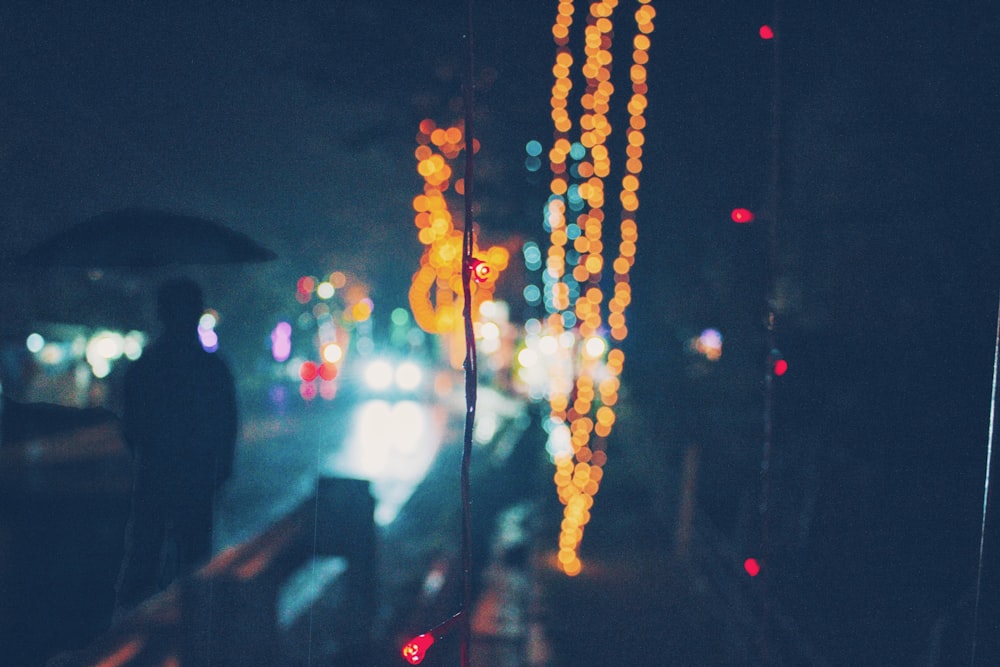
[[436, 292], [584, 386], [336, 306]]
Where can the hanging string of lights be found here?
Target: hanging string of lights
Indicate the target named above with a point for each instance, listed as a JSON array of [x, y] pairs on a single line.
[[582, 398], [474, 271], [436, 291]]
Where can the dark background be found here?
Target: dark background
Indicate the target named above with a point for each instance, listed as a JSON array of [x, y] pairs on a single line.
[[295, 123]]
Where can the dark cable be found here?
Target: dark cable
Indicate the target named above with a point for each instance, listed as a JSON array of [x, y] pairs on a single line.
[[470, 344]]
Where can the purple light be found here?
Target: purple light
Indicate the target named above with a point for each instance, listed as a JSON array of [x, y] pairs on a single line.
[[281, 341]]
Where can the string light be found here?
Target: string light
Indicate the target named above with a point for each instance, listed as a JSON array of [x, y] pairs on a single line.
[[481, 271], [415, 650], [436, 289], [583, 395]]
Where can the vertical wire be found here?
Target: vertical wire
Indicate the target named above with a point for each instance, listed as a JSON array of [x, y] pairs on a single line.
[[986, 489], [772, 262], [470, 343]]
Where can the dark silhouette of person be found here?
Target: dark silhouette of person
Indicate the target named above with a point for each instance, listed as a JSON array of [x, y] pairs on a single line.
[[180, 422]]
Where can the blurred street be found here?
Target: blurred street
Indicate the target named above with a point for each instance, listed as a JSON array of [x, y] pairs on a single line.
[[699, 606], [648, 548], [526, 612], [280, 457]]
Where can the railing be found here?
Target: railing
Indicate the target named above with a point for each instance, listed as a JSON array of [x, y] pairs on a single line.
[[226, 612]]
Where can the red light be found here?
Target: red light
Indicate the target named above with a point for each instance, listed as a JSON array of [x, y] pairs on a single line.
[[480, 270], [741, 215], [766, 32], [780, 367], [308, 371], [751, 566], [327, 371], [416, 649], [306, 284]]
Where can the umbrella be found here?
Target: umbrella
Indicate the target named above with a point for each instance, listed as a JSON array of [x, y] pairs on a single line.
[[145, 238]]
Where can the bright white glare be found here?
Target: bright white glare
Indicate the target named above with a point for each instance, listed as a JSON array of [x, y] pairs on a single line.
[[594, 347], [378, 374], [208, 321], [527, 357], [35, 342], [410, 422], [567, 340], [392, 445], [490, 331], [106, 345], [490, 345], [408, 376], [100, 368], [502, 311], [552, 423], [559, 442], [110, 346], [488, 309], [376, 429], [332, 353], [133, 344], [547, 345], [485, 427], [325, 290]]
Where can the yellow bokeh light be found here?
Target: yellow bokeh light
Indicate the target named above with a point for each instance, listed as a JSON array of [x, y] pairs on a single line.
[[581, 403], [361, 311]]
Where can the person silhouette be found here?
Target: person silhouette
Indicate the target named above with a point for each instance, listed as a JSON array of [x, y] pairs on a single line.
[[180, 423]]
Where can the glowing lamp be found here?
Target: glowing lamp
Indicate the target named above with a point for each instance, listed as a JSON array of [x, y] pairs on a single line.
[[766, 32], [306, 284], [308, 371], [480, 270], [327, 371], [780, 367], [741, 215], [416, 649], [751, 566]]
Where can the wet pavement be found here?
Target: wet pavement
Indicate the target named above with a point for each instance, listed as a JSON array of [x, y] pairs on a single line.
[[646, 595]]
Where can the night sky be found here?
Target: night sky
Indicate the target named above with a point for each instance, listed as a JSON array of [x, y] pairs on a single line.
[[295, 123]]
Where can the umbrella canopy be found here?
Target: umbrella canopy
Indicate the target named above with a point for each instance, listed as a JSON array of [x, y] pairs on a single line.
[[144, 238]]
